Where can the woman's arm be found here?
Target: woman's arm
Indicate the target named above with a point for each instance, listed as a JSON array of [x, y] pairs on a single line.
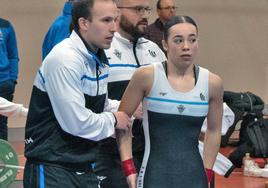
[[214, 119], [139, 86]]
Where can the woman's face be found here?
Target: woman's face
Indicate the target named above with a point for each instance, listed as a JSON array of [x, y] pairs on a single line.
[[182, 43]]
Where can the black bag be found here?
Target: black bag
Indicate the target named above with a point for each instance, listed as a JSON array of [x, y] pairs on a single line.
[[257, 136], [253, 139], [241, 103], [253, 135]]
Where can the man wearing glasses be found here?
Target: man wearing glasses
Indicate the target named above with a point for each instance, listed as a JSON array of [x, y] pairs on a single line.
[[165, 10], [128, 51]]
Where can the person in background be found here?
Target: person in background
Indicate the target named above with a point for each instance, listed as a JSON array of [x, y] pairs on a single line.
[[9, 60], [165, 10], [128, 51], [59, 30], [177, 96], [69, 112], [10, 109]]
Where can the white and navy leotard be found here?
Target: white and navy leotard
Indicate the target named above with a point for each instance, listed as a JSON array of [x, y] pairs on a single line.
[[172, 123]]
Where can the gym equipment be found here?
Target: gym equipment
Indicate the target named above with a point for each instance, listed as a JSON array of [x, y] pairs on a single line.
[[8, 164]]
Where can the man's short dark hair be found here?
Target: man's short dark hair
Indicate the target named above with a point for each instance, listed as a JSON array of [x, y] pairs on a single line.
[[81, 8]]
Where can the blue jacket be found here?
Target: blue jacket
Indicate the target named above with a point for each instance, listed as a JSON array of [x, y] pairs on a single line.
[[8, 52], [59, 30]]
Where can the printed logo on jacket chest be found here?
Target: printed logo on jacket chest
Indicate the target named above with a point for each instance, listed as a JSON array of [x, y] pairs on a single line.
[[152, 53], [118, 54]]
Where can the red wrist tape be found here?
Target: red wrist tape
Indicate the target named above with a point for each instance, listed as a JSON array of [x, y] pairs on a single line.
[[210, 174], [128, 167]]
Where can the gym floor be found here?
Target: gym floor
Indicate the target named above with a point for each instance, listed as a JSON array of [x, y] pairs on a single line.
[[235, 180]]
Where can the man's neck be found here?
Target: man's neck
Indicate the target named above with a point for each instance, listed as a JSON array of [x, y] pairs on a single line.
[[125, 35], [162, 20], [88, 45]]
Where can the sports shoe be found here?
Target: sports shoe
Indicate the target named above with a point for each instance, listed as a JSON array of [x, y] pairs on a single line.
[[252, 169], [264, 172]]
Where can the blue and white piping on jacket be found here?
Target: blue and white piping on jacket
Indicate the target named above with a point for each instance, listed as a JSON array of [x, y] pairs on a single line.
[[125, 65], [89, 83], [94, 78], [83, 77], [42, 77], [96, 59], [121, 59]]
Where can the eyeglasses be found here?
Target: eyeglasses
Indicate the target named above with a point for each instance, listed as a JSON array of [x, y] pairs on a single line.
[[169, 8], [140, 9]]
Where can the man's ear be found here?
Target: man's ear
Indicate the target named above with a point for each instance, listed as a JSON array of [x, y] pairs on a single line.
[[83, 23], [158, 11], [164, 44]]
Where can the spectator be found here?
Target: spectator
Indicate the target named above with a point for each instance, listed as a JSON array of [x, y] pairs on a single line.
[[8, 68], [165, 10], [59, 30]]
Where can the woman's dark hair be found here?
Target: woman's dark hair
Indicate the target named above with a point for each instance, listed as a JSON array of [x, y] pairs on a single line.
[[81, 8], [177, 20]]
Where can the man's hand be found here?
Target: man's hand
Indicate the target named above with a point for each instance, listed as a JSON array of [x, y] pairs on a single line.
[[138, 114], [123, 121]]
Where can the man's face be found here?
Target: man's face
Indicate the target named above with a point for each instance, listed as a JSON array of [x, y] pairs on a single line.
[[167, 10], [101, 28], [134, 17]]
